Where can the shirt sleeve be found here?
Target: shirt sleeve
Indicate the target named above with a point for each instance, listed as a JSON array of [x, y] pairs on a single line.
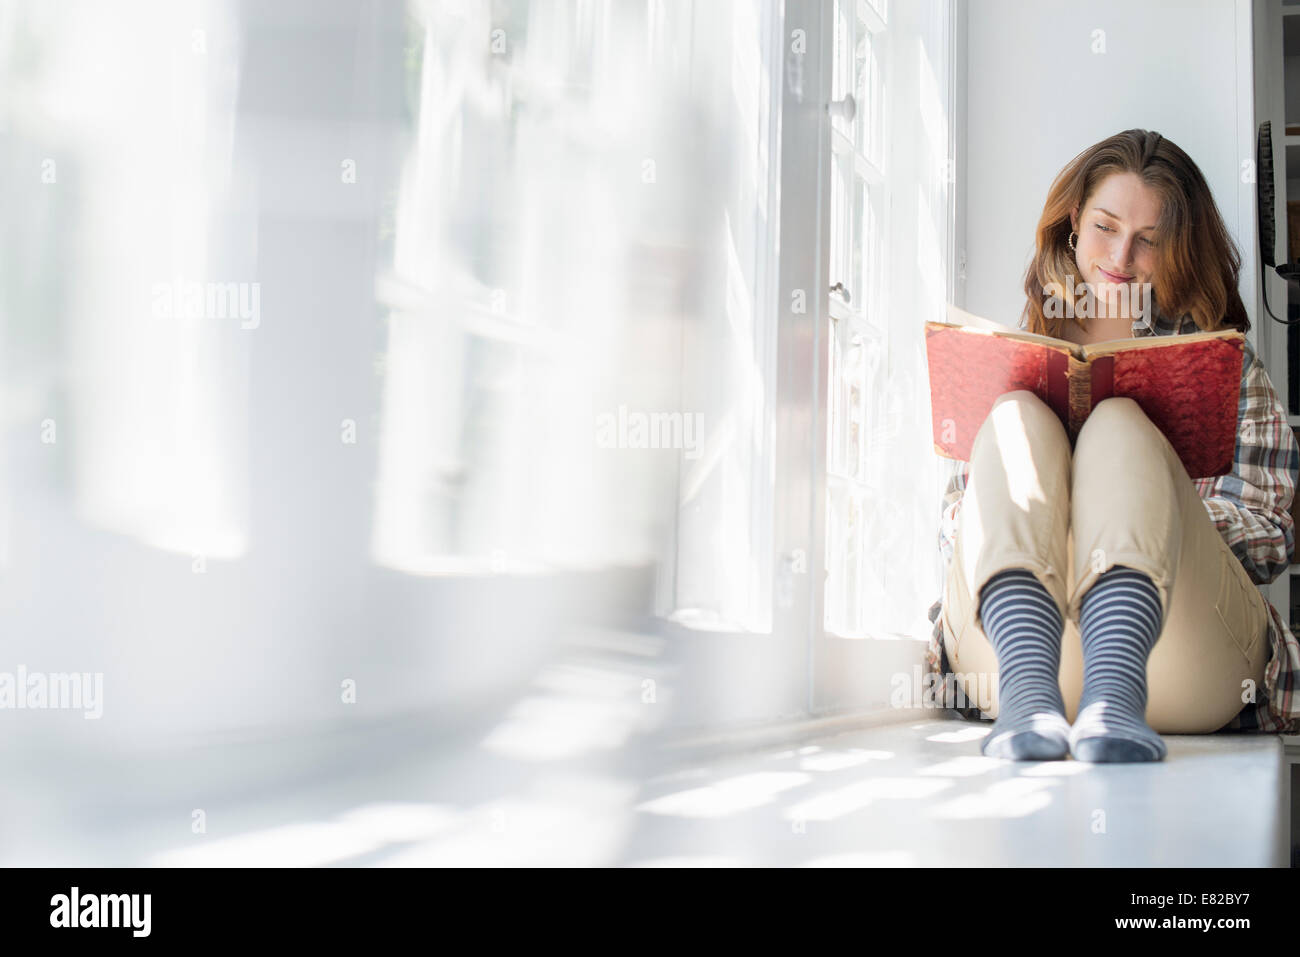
[[952, 499], [1251, 506]]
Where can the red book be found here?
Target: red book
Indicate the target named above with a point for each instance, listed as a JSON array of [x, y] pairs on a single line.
[[1187, 385]]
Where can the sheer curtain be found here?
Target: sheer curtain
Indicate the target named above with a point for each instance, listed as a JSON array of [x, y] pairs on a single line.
[[507, 296], [579, 337], [139, 376], [723, 559]]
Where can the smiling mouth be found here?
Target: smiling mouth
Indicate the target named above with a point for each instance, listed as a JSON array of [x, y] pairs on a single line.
[[1114, 278]]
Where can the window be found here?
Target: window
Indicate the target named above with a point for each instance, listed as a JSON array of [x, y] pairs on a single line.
[[890, 201], [859, 516], [580, 301], [538, 247], [587, 309]]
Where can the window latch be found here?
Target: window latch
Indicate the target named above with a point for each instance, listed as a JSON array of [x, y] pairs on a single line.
[[845, 109]]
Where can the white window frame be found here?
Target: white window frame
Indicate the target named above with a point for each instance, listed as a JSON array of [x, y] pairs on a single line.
[[856, 672], [799, 669]]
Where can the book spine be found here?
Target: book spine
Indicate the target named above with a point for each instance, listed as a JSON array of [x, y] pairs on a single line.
[[1080, 396], [1103, 378], [1058, 383]]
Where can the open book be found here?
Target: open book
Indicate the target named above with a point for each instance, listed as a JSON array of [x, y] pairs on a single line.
[[1187, 385]]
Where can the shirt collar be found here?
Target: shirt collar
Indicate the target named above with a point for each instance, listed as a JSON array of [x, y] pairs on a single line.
[[1162, 325]]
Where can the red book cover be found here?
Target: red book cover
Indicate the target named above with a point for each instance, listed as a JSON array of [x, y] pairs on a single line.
[[1187, 385]]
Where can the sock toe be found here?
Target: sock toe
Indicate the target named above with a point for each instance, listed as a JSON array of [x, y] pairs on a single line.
[[1039, 737], [1108, 749], [1101, 737]]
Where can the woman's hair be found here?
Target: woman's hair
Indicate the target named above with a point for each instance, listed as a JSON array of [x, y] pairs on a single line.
[[1197, 262]]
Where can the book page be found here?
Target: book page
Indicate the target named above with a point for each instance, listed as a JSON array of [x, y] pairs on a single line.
[[1061, 345], [960, 317], [1111, 346]]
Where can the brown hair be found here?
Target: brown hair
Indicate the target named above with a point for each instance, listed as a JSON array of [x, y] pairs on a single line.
[[1198, 264]]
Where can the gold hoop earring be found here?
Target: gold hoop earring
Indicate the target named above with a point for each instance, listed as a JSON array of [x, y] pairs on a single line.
[[1071, 241]]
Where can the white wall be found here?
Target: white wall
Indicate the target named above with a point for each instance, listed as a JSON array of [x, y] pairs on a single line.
[[1037, 95]]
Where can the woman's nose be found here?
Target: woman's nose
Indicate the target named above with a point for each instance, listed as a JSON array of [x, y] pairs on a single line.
[[1124, 252]]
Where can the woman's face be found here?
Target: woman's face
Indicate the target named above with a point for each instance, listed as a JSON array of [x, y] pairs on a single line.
[[1116, 233]]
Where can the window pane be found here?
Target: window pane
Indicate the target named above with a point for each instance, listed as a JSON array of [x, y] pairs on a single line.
[[869, 248], [847, 400], [842, 256], [869, 92], [842, 81], [880, 522], [844, 548]]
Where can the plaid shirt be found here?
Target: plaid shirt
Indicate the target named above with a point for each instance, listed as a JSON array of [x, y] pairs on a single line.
[[1250, 506]]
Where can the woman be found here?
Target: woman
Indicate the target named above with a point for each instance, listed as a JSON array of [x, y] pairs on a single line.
[[1106, 596]]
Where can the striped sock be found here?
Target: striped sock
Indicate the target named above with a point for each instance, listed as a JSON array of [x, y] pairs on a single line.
[[1119, 623], [1024, 627]]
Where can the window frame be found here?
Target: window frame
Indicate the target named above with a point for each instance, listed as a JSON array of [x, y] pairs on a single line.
[[801, 669]]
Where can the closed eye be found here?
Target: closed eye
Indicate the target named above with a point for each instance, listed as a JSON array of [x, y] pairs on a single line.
[[1141, 239]]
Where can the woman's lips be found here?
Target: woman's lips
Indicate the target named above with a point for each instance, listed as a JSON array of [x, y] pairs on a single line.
[[1112, 277]]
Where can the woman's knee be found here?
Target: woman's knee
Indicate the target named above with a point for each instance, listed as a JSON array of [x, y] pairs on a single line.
[[1117, 412], [1026, 407], [1117, 430], [1020, 396]]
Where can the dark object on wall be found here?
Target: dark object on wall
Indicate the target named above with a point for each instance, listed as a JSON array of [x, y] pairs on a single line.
[[1265, 196]]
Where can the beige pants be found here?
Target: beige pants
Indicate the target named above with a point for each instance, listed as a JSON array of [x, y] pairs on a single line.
[[1123, 498]]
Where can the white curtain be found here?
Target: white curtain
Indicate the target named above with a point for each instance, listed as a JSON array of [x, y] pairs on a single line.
[[146, 412], [577, 256]]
